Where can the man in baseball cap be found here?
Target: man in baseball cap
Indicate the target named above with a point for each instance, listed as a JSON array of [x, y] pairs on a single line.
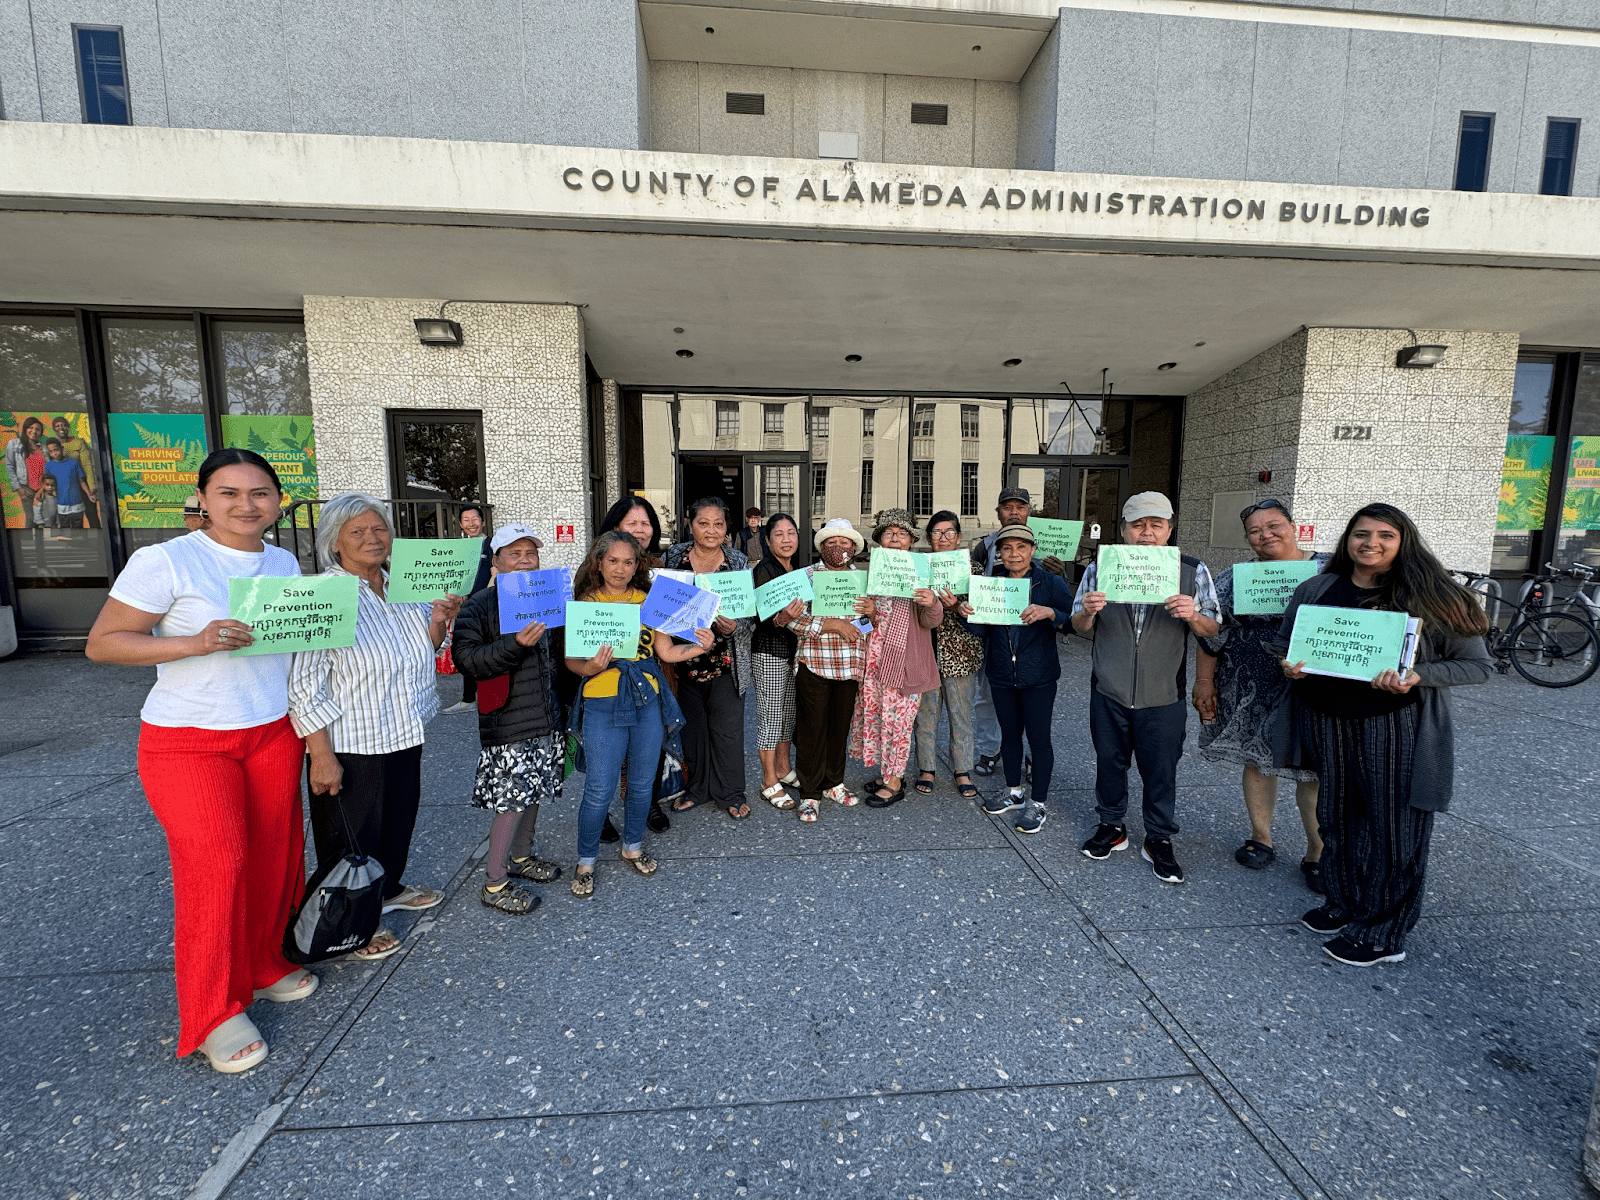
[[507, 534], [1136, 698]]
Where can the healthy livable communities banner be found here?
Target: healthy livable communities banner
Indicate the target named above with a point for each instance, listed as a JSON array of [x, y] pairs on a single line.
[[1525, 482]]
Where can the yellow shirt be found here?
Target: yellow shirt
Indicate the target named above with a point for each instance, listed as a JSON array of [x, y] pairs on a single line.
[[605, 683]]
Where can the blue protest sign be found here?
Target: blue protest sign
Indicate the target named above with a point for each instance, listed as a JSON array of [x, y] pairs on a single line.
[[678, 608], [529, 596]]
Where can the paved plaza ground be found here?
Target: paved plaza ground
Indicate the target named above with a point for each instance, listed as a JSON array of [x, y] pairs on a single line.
[[907, 1003]]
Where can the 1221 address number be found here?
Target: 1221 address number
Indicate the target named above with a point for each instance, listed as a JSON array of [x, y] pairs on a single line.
[[1352, 433]]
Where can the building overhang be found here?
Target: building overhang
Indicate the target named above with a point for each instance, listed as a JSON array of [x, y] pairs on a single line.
[[781, 267]]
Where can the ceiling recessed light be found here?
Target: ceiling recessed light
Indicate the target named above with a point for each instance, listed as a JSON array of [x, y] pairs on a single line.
[[685, 353], [1162, 367], [852, 358], [1198, 345], [1012, 362], [709, 29], [677, 329], [977, 47]]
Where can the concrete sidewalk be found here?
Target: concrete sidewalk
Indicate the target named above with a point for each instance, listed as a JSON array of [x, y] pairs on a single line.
[[913, 1002]]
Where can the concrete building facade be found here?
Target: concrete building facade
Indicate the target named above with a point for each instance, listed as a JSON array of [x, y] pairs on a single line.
[[808, 254]]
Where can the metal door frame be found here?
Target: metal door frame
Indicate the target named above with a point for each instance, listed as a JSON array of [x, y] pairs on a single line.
[[800, 459]]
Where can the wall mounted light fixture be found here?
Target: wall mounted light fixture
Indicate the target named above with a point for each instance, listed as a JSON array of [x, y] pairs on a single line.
[[1420, 356], [437, 331]]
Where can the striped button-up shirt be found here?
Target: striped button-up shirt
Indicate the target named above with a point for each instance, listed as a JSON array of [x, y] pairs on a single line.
[[373, 697]]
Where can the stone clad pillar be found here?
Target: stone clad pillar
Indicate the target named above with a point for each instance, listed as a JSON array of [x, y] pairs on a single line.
[[520, 365], [1339, 425]]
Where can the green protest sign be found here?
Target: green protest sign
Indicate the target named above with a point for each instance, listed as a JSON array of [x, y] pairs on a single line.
[[1057, 539], [834, 593], [737, 589], [776, 594], [293, 612], [893, 573], [1348, 643], [1138, 574], [950, 571], [1265, 587], [998, 601], [592, 625], [427, 568]]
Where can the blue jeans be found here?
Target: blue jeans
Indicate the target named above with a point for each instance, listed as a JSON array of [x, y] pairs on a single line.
[[615, 732]]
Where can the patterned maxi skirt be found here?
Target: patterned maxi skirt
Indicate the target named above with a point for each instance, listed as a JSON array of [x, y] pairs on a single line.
[[881, 730]]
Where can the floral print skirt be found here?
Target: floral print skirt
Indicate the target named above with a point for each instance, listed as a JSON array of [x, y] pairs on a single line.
[[515, 776], [880, 731]]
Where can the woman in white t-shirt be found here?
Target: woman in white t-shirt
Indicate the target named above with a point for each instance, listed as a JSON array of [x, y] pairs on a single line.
[[218, 758]]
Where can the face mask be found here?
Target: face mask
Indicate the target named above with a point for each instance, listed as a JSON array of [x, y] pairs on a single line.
[[835, 556]]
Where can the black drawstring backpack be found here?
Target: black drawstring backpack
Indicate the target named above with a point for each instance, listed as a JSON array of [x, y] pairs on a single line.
[[342, 908]]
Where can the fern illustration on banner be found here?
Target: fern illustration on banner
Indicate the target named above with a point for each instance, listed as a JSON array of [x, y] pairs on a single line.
[[156, 457]]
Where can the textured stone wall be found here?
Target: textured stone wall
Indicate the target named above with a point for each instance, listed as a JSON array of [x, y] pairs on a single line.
[[520, 365], [612, 399], [1436, 450]]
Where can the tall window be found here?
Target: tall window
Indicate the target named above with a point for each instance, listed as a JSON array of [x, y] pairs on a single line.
[[1560, 148], [1472, 153], [777, 488], [969, 489], [922, 488], [727, 418], [819, 487], [869, 424], [969, 420], [102, 76], [922, 420], [866, 486], [819, 422], [772, 418]]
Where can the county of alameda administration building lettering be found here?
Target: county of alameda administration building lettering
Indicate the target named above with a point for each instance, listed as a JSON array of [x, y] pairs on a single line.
[[1002, 199]]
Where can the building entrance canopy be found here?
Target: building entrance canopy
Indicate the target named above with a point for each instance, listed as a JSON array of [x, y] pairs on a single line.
[[779, 270]]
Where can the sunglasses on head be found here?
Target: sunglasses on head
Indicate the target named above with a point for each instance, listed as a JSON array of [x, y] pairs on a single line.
[[1244, 514]]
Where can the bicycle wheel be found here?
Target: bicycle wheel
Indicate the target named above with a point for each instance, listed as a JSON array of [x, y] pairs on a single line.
[[1554, 650]]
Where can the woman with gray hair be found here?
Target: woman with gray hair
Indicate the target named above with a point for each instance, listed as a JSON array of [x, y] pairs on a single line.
[[362, 708]]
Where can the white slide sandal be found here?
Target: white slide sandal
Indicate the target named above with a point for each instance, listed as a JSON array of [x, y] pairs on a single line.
[[227, 1039], [296, 985]]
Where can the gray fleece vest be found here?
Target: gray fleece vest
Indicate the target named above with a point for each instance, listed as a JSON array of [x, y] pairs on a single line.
[[1152, 671]]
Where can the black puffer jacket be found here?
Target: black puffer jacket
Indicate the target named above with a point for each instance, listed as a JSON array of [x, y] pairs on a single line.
[[481, 653]]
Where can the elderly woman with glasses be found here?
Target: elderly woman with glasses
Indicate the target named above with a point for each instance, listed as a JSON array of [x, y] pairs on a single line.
[[960, 658], [1243, 698], [362, 710]]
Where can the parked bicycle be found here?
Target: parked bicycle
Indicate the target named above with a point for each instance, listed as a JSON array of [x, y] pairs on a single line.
[[1548, 647]]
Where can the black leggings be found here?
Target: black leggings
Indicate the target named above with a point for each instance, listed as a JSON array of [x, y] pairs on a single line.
[[1026, 710]]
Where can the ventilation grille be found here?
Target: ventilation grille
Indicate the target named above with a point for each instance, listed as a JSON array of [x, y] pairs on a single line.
[[751, 104], [923, 114]]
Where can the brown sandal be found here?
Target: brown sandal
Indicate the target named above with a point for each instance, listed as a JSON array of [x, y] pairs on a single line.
[[583, 883], [644, 864]]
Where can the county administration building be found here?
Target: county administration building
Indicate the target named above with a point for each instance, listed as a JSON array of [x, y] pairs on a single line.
[[822, 255]]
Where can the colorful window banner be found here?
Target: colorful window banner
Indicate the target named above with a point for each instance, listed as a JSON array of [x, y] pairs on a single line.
[[155, 457], [1525, 482], [1580, 505], [23, 440], [289, 444]]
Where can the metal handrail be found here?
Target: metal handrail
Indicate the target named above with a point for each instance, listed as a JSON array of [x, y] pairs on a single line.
[[296, 530]]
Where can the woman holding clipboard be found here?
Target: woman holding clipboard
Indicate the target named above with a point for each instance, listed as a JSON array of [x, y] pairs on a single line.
[[1383, 750], [218, 758]]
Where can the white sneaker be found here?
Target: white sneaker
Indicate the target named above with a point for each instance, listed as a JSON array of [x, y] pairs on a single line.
[[460, 706]]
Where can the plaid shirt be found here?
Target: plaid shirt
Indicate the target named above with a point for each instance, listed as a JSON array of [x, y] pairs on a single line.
[[1205, 597], [828, 654]]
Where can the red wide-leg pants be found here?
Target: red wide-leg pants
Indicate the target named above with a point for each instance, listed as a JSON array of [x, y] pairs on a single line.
[[229, 801]]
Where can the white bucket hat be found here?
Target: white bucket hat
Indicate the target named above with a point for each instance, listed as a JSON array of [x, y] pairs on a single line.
[[839, 527]]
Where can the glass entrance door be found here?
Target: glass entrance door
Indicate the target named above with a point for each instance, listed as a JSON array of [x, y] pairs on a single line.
[[434, 454], [1063, 491]]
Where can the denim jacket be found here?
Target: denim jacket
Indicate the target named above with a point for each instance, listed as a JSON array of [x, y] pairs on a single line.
[[633, 683]]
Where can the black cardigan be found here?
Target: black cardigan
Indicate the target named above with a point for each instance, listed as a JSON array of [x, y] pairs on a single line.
[[480, 652]]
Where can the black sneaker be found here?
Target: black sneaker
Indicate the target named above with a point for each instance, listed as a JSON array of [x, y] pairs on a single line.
[[608, 832], [1106, 839], [1354, 954], [657, 821], [1031, 821], [1158, 853], [1322, 920], [1001, 804], [987, 764]]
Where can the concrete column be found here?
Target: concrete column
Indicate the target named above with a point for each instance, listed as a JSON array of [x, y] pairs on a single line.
[[1303, 411], [520, 365], [612, 400]]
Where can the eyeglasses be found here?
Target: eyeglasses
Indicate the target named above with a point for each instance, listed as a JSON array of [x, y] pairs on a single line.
[[944, 533], [1244, 514]]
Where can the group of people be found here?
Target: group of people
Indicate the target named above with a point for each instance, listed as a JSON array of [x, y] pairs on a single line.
[[52, 475], [225, 740]]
